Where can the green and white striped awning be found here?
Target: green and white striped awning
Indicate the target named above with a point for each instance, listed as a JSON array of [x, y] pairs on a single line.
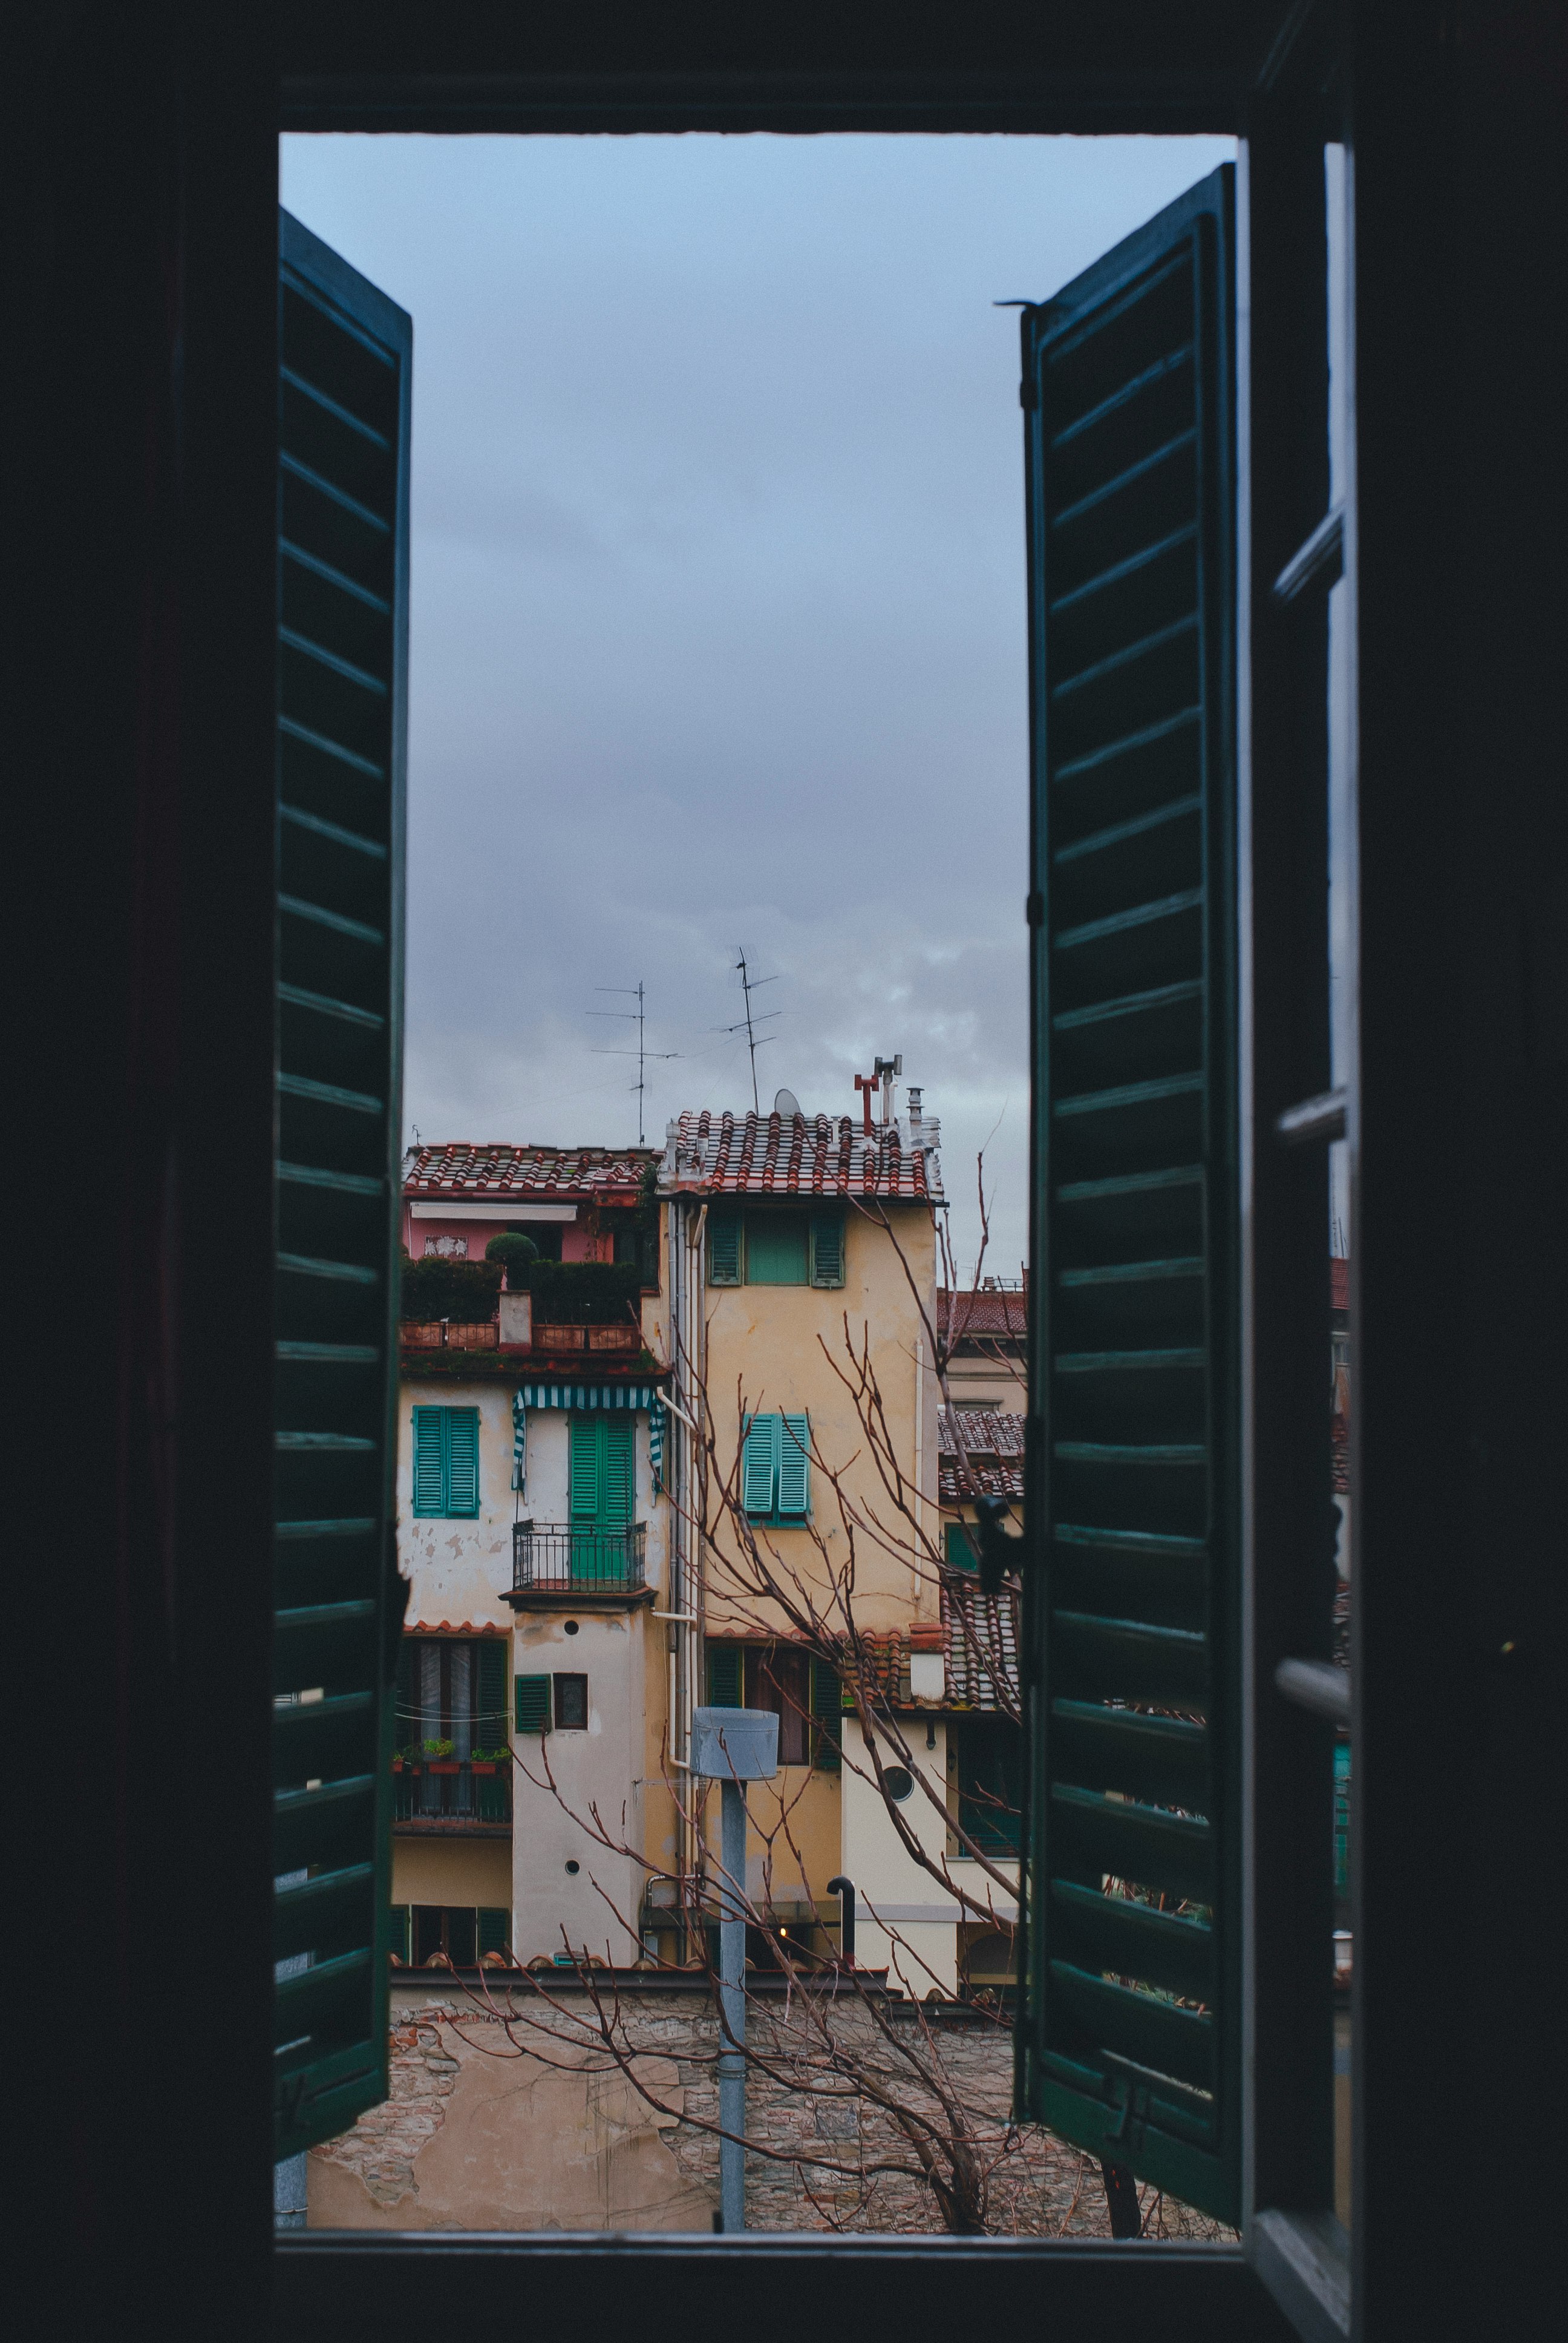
[[589, 1395]]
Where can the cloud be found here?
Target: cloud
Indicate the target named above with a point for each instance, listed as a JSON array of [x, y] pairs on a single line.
[[719, 607]]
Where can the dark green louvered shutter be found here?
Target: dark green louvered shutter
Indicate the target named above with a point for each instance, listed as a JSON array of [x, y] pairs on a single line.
[[344, 354], [760, 1465], [1129, 2028], [531, 1703], [794, 1466], [494, 1929], [585, 1455], [617, 1485], [462, 1438], [726, 1663], [491, 1694], [827, 1248], [724, 1248], [401, 1917], [827, 1718], [429, 1465]]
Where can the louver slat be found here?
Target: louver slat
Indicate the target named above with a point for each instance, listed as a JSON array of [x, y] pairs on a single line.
[[344, 357], [1129, 2022]]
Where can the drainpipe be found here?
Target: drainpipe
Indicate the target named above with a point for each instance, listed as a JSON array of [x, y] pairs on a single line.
[[845, 1889]]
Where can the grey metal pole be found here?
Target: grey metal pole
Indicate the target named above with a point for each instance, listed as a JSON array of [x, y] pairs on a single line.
[[732, 2011]]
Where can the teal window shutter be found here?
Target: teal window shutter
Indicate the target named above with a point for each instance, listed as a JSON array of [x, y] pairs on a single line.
[[724, 1238], [776, 1248], [617, 1485], [400, 1932], [429, 1461], [827, 1718], [827, 1248], [494, 1929], [1130, 2007], [583, 1457], [794, 1466], [530, 1703], [491, 1694], [462, 1432], [343, 391], [958, 1547], [726, 1663], [760, 1465]]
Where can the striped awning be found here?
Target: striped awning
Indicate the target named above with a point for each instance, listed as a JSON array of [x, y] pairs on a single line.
[[589, 1396]]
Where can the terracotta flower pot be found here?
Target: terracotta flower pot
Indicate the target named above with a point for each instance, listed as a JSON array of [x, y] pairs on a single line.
[[482, 1765], [443, 1766]]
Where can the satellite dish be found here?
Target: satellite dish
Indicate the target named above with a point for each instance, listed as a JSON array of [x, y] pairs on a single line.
[[787, 1104]]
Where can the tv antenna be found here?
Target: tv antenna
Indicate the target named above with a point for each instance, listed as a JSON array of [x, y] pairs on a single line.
[[748, 1023], [641, 1053]]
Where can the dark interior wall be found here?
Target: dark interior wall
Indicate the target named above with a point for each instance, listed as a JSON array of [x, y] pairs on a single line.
[[136, 629]]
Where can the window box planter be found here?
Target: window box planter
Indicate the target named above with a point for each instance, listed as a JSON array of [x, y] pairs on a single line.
[[482, 1765], [443, 1766]]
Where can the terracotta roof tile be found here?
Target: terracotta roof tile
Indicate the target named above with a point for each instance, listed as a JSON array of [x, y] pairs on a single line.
[[989, 1463], [980, 1640], [710, 1154], [467, 1173], [964, 1316]]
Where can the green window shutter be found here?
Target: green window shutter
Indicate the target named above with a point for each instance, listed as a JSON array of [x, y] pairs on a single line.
[[343, 359], [776, 1248], [584, 1450], [959, 1548], [494, 1929], [399, 1940], [827, 1718], [462, 1430], [429, 1461], [724, 1248], [827, 1248], [491, 1694], [726, 1663], [760, 1465], [794, 1466], [619, 1485], [530, 1703], [1132, 1609]]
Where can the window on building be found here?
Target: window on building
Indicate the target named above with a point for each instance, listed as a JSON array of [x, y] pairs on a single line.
[[803, 1693], [462, 1933], [959, 1549], [571, 1704], [776, 1248], [990, 1782], [452, 1688], [776, 1468], [550, 1703], [601, 1470], [446, 1462]]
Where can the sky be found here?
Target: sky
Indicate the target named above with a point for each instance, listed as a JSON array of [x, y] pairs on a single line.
[[718, 616]]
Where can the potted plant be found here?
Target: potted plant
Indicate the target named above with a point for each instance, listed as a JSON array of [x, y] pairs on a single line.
[[438, 1757], [488, 1761]]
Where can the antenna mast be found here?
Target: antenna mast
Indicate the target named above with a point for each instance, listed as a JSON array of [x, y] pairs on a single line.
[[641, 1053]]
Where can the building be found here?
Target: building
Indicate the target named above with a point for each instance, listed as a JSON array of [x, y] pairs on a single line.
[[984, 1331]]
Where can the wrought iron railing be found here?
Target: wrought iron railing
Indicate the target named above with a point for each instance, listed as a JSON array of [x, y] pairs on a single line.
[[550, 1556], [451, 1791]]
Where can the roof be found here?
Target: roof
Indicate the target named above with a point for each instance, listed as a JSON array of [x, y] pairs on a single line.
[[466, 1172], [988, 1315], [709, 1154], [979, 1645], [990, 1461]]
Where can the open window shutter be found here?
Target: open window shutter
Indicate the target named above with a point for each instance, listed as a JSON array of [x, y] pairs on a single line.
[[584, 1449], [726, 1663], [794, 1465], [490, 1695], [400, 1932], [1132, 1597], [429, 1461], [760, 1465], [724, 1248], [345, 353], [462, 1459], [827, 1718], [531, 1703], [827, 1248], [494, 1929], [618, 1486]]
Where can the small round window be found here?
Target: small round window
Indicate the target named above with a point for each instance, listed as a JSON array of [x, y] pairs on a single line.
[[898, 1781]]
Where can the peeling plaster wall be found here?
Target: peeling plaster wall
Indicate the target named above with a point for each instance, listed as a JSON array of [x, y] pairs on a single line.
[[594, 1907]]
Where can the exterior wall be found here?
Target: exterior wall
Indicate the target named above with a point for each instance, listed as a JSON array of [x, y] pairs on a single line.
[[451, 1871], [922, 1917], [459, 1570], [593, 1909], [988, 1381], [474, 2141]]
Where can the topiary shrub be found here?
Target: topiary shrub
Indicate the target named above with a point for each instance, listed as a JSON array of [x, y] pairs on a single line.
[[516, 1254], [585, 1292], [465, 1291]]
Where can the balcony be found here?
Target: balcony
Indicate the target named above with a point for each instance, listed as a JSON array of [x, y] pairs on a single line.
[[553, 1562], [452, 1797]]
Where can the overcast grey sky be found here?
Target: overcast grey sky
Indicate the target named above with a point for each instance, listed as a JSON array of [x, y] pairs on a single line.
[[718, 609]]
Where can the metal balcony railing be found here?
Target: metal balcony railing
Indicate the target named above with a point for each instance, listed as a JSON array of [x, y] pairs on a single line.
[[451, 1791], [550, 1556]]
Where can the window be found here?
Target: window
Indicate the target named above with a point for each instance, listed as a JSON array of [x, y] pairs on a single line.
[[775, 1468], [550, 1703], [446, 1462], [776, 1248], [452, 1688], [803, 1693], [602, 1471], [462, 1934], [958, 1550], [990, 1782]]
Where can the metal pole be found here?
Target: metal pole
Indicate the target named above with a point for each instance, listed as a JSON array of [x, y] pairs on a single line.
[[733, 2013]]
